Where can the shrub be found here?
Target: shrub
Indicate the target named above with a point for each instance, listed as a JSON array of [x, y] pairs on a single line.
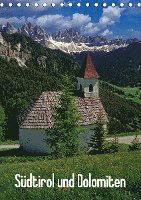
[[135, 144], [112, 146]]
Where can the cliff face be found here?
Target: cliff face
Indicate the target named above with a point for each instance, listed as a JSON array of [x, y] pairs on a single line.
[[16, 52]]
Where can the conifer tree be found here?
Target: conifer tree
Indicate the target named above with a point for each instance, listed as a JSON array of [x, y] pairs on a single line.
[[96, 143], [64, 134], [2, 123]]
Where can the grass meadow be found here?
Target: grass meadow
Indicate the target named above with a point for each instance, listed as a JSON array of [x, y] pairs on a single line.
[[123, 164]]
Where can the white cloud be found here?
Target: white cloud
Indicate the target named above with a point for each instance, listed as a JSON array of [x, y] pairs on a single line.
[[13, 20], [80, 19], [81, 22], [60, 22], [106, 33], [110, 16], [112, 13]]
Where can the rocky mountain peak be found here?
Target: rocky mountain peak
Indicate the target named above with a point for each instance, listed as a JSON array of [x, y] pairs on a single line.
[[69, 35], [35, 32], [8, 28], [69, 40]]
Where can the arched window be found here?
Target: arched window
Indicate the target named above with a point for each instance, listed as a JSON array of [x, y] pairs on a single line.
[[90, 88], [80, 87]]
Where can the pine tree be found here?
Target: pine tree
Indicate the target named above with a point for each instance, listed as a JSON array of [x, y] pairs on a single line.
[[96, 143], [64, 134], [2, 123]]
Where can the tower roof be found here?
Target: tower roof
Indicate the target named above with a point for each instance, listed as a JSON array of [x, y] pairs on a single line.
[[88, 69]]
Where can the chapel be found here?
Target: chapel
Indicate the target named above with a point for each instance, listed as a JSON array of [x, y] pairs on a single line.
[[38, 117]]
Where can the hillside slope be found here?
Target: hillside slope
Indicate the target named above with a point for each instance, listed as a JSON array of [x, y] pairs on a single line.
[[120, 67], [123, 111]]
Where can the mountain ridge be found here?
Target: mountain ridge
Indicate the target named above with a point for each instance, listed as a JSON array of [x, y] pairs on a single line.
[[69, 41], [121, 66]]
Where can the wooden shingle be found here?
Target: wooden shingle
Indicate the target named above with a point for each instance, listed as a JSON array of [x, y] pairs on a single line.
[[40, 113]]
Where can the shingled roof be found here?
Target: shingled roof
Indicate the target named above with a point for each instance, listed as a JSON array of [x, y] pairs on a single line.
[[88, 70], [40, 113]]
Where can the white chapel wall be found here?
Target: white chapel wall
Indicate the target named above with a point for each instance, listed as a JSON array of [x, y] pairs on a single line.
[[34, 140]]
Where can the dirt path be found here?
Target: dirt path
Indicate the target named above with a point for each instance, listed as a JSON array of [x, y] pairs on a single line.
[[9, 146], [126, 139], [122, 140]]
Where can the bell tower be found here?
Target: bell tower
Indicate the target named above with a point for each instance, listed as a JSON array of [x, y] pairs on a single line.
[[88, 82]]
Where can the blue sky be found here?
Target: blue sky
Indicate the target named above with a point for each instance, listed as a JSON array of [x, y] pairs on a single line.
[[111, 22]]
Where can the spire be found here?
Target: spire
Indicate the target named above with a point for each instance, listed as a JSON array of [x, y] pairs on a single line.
[[89, 70]]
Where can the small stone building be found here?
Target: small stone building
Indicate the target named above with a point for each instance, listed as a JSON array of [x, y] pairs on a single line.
[[36, 119]]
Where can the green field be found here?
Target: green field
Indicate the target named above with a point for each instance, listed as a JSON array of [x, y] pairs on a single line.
[[133, 93], [124, 164], [123, 109]]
